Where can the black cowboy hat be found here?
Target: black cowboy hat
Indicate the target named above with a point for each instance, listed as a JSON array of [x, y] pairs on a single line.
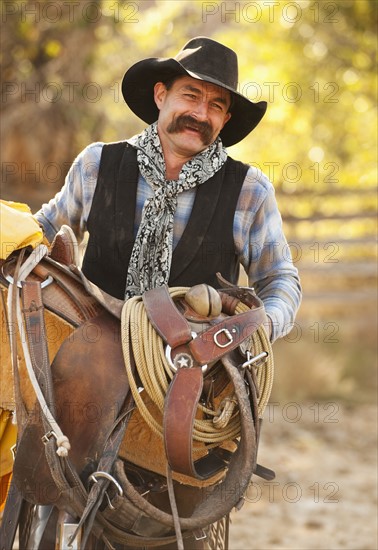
[[203, 59]]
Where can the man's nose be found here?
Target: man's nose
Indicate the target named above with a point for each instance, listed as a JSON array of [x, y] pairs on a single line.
[[201, 110]]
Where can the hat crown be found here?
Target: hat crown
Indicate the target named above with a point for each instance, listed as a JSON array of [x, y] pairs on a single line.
[[209, 58]]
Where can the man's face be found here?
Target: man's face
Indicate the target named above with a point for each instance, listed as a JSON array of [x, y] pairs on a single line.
[[192, 113]]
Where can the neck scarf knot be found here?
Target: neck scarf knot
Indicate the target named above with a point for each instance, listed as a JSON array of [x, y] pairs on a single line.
[[151, 257]]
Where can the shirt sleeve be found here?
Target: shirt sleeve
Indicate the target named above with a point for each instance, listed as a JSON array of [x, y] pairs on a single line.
[[72, 204], [265, 253]]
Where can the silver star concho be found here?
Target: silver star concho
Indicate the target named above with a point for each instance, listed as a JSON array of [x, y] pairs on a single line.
[[183, 360]]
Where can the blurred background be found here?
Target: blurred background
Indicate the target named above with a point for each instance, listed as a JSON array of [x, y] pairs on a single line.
[[314, 62]]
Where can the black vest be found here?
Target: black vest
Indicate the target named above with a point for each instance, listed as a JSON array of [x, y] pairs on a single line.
[[206, 246]]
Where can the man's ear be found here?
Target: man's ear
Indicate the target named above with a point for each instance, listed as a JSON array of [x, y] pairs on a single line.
[[160, 92], [226, 119]]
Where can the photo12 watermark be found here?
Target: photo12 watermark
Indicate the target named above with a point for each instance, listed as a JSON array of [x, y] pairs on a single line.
[[71, 11], [269, 11], [93, 92]]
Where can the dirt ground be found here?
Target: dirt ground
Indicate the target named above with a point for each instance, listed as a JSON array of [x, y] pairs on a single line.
[[324, 495], [325, 492]]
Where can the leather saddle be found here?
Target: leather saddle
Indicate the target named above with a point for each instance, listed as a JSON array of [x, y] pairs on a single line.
[[87, 375], [87, 387]]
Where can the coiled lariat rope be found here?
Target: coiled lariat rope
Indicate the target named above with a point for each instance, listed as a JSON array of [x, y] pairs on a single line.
[[140, 340]]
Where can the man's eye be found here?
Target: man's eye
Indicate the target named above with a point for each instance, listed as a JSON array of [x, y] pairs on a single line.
[[190, 96]]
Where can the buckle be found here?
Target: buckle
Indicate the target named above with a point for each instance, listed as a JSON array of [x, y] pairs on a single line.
[[182, 360], [107, 476], [260, 358], [228, 335], [200, 534], [46, 438]]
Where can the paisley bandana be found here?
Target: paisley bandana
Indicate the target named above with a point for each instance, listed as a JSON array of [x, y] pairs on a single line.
[[151, 257]]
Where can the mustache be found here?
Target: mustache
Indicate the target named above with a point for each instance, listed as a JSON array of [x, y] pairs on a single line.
[[183, 121]]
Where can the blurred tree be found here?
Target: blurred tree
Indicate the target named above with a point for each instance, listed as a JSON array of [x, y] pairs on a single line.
[[47, 53], [314, 62]]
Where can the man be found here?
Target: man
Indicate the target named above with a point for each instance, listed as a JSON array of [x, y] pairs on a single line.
[[169, 205]]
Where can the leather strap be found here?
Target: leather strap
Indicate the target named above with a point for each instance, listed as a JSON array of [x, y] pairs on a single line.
[[165, 317], [105, 464], [211, 344], [219, 339], [11, 516], [181, 403], [33, 311], [179, 413], [21, 412]]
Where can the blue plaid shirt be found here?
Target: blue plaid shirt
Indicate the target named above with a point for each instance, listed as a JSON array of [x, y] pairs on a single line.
[[259, 240]]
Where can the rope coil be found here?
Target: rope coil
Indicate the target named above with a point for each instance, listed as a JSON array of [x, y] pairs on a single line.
[[140, 340]]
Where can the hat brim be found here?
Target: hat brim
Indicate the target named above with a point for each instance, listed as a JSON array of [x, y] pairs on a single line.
[[138, 91]]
